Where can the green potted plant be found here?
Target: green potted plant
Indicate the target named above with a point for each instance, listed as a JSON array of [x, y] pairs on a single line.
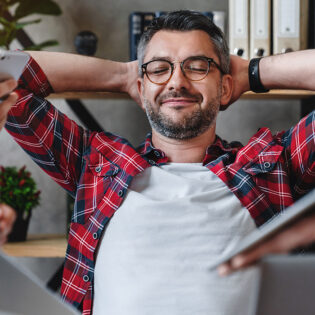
[[18, 190], [12, 19]]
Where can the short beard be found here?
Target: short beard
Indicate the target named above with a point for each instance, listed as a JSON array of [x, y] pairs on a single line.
[[192, 125]]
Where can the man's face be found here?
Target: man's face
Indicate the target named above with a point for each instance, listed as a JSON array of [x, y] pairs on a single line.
[[180, 108]]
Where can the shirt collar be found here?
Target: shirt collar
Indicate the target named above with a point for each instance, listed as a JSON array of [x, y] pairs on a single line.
[[150, 153], [218, 148]]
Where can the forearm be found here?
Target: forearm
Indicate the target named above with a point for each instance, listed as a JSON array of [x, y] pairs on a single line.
[[289, 71], [52, 140], [70, 72]]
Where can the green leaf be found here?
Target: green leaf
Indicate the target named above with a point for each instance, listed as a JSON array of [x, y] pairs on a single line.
[[27, 7], [6, 36], [10, 37], [5, 22], [21, 25], [42, 45]]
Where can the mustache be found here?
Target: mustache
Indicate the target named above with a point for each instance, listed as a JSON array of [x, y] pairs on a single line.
[[178, 94]]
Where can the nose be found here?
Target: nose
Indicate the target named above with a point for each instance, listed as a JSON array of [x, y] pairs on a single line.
[[178, 81]]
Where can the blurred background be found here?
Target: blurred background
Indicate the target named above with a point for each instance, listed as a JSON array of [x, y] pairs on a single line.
[[109, 21]]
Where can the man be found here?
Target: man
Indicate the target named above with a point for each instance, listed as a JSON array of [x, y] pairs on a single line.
[[148, 222], [7, 99]]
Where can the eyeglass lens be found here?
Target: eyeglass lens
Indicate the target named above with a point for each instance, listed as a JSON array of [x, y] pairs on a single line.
[[159, 71]]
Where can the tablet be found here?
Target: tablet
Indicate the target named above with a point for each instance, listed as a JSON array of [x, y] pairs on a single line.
[[301, 207], [12, 64]]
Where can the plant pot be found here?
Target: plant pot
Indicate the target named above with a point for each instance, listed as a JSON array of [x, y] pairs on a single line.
[[20, 227]]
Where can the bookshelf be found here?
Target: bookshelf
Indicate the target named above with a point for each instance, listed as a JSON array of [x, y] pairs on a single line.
[[273, 94]]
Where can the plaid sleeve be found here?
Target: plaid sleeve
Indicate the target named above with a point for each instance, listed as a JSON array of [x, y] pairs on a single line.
[[50, 138], [299, 143]]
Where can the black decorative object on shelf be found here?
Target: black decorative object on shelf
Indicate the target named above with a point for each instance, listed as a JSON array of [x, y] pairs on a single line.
[[86, 43], [76, 105]]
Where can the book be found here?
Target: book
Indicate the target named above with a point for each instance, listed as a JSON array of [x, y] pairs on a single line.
[[311, 25], [290, 22], [138, 23], [135, 32], [260, 28], [239, 28]]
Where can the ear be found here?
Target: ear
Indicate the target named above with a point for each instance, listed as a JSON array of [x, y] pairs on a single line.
[[140, 91], [227, 89]]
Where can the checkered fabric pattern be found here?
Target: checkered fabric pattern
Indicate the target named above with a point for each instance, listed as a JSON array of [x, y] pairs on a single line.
[[266, 175]]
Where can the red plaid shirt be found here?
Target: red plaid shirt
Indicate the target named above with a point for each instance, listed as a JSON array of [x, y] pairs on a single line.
[[266, 175]]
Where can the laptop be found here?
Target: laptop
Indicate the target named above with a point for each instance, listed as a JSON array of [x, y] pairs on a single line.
[[286, 286], [21, 292]]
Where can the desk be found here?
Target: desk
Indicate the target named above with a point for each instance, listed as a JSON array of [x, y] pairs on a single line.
[[39, 246]]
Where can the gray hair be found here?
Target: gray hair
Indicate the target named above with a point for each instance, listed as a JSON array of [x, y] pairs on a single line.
[[186, 20]]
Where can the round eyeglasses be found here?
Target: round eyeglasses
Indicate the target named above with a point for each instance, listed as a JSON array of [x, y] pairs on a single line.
[[160, 71]]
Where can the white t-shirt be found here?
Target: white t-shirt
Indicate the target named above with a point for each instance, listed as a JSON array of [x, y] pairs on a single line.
[[155, 254]]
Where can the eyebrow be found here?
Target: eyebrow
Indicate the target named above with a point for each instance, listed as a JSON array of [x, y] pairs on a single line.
[[170, 60], [160, 58]]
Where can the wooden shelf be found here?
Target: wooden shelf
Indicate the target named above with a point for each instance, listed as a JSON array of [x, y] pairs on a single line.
[[279, 94], [273, 94], [39, 246], [90, 95]]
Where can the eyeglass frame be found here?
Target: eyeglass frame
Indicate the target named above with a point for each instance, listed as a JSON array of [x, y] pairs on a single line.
[[172, 64]]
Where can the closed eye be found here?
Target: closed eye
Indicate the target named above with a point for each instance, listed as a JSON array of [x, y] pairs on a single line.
[[159, 71], [195, 69]]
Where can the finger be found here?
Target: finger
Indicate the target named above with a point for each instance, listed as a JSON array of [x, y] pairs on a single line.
[[7, 87], [242, 260], [246, 259], [5, 106], [224, 269], [9, 216], [4, 228], [300, 234], [229, 267]]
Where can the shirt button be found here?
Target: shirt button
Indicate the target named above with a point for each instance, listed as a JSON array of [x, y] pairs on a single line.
[[120, 193], [116, 170], [95, 236], [86, 278], [98, 169], [267, 165]]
